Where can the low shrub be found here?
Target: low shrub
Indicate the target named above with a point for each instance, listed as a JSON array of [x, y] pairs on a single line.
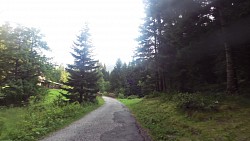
[[119, 91], [196, 101], [121, 96], [189, 101], [41, 119], [132, 97], [111, 95], [155, 94], [105, 93], [192, 101]]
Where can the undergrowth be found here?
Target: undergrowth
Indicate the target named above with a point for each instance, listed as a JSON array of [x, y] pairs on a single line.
[[39, 119], [188, 117]]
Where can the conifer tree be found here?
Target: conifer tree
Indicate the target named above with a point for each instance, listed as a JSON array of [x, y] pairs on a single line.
[[21, 62], [83, 73], [181, 43]]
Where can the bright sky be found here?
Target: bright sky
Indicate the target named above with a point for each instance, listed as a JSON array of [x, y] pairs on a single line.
[[113, 24]]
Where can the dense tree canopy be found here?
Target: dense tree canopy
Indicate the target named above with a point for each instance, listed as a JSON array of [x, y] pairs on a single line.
[[21, 62], [192, 45], [188, 43]]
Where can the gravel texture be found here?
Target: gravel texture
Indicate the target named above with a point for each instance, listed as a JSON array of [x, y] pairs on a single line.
[[111, 122]]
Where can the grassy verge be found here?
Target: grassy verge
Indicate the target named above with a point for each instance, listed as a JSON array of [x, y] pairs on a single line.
[[39, 119], [53, 94], [166, 120]]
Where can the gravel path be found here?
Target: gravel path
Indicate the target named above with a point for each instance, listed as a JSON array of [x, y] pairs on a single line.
[[111, 122]]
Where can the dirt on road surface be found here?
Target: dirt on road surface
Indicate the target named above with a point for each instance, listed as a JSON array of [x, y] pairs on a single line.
[[111, 122]]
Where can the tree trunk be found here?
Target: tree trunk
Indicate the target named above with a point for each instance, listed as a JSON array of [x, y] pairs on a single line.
[[16, 69], [232, 82], [80, 98], [164, 87], [157, 73]]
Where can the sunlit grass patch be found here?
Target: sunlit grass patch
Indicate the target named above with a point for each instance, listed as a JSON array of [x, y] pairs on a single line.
[[38, 119], [130, 102], [54, 94]]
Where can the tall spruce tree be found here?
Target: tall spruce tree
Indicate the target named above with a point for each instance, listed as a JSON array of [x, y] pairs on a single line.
[[83, 73]]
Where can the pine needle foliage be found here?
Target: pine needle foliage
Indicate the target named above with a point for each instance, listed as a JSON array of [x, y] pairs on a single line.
[[83, 73]]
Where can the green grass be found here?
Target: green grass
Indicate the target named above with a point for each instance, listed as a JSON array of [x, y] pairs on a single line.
[[165, 121], [53, 94], [130, 102], [9, 118], [40, 119]]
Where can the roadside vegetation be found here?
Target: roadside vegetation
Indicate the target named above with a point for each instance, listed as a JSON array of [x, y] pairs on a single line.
[[189, 78], [41, 118], [183, 116], [29, 106], [191, 67]]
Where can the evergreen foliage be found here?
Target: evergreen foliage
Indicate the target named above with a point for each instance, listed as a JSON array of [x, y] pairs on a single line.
[[83, 74], [195, 45], [125, 79], [103, 82], [21, 62], [189, 46]]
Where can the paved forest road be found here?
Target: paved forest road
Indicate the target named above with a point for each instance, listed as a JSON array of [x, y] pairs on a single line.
[[111, 122]]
